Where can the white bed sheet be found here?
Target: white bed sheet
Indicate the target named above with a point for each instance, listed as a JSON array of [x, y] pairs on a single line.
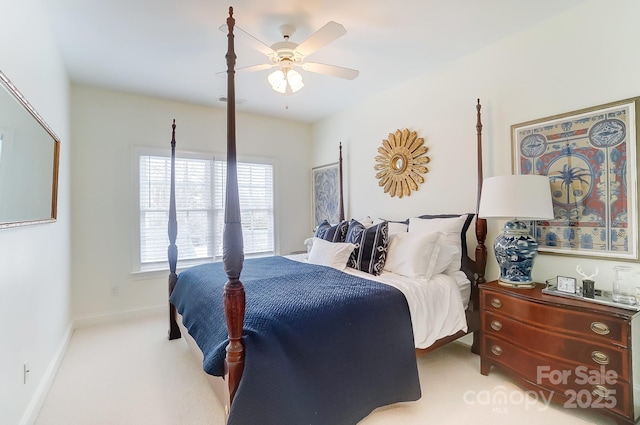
[[464, 285], [437, 305]]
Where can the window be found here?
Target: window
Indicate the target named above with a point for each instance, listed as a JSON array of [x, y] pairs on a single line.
[[255, 187], [200, 197]]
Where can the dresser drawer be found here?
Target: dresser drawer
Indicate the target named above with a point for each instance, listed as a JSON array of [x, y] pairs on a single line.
[[574, 385], [580, 351], [592, 326]]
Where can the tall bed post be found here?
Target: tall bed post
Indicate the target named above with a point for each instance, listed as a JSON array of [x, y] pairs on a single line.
[[481, 234], [232, 251], [172, 250], [341, 186], [481, 223]]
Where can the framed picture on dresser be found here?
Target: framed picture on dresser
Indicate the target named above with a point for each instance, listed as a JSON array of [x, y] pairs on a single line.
[[590, 157]]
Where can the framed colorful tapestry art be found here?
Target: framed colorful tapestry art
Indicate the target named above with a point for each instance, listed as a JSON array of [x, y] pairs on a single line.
[[590, 158]]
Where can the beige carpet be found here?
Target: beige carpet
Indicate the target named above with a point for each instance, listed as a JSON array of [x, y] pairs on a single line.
[[128, 373]]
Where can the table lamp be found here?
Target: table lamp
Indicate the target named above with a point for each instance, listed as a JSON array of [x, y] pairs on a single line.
[[516, 197]]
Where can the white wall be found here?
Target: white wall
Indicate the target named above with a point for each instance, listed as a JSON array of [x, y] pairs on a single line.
[[106, 127], [584, 57], [34, 260]]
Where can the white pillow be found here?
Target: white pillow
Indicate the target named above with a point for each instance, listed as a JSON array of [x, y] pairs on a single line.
[[430, 225], [394, 227], [452, 227], [448, 260], [366, 222], [413, 254], [331, 254]]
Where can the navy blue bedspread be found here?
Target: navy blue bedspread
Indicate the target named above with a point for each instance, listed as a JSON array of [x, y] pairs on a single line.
[[323, 347]]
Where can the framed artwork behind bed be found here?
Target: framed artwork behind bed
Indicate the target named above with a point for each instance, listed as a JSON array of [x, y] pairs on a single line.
[[326, 193], [590, 158]]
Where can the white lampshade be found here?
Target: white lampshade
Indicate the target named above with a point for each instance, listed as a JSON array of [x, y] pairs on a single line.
[[525, 197]]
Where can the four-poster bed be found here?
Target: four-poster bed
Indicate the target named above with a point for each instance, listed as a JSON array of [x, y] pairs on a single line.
[[291, 305]]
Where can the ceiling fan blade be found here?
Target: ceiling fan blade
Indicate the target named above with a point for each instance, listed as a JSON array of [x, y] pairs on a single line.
[[251, 68], [325, 35], [249, 40], [332, 70]]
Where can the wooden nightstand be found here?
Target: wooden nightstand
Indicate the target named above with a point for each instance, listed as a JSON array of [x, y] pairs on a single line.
[[582, 354]]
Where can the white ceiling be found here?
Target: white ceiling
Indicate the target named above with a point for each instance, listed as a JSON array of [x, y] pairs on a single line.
[[173, 48]]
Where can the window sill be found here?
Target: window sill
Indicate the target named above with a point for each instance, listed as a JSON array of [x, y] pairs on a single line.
[[162, 271], [157, 271]]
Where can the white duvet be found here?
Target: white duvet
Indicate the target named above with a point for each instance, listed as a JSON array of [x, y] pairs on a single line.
[[437, 305]]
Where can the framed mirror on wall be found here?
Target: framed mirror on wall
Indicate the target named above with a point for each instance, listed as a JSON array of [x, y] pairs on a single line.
[[29, 161]]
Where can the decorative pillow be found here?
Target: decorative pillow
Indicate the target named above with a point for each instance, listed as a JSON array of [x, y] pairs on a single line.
[[455, 227], [413, 255], [331, 233], [332, 254], [371, 243]]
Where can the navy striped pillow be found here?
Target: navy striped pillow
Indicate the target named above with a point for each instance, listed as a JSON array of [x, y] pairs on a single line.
[[371, 243], [331, 233]]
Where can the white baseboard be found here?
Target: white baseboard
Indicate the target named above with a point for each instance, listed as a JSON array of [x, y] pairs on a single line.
[[119, 316], [33, 409]]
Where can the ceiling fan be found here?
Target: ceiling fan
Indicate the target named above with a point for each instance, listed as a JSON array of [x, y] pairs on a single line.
[[285, 55]]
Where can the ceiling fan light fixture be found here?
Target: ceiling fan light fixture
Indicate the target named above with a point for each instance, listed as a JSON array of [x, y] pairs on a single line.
[[278, 81], [287, 82], [295, 80]]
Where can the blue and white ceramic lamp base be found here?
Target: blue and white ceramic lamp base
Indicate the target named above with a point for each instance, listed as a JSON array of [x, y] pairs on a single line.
[[515, 252]]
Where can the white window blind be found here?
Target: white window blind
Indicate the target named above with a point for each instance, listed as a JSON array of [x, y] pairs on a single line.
[[255, 189], [193, 207], [200, 196]]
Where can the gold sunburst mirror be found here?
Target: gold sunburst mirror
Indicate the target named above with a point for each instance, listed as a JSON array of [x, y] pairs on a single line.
[[401, 163]]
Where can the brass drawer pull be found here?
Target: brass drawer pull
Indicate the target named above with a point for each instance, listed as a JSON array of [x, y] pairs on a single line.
[[495, 325], [600, 390], [496, 350], [495, 302], [599, 357], [600, 328]]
